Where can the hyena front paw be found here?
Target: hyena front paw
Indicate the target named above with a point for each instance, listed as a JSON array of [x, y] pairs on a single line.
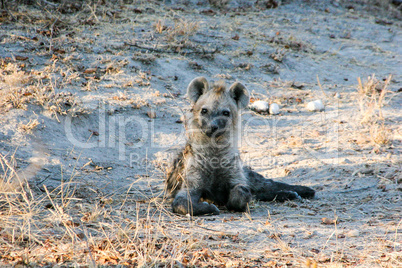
[[208, 209], [304, 191], [182, 206], [239, 197], [282, 196]]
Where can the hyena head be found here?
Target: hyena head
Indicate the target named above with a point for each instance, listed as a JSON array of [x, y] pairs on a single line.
[[214, 114]]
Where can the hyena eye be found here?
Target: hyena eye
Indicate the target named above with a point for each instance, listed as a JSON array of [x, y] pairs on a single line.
[[226, 113], [204, 111]]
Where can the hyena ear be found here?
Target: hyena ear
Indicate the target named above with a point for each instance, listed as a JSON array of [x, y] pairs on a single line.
[[196, 88], [240, 94]]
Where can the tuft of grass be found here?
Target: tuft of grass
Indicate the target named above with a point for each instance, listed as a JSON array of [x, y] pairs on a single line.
[[182, 28], [13, 93], [160, 26], [7, 184], [371, 99], [380, 135], [28, 127], [19, 88], [372, 95], [13, 76], [142, 79]]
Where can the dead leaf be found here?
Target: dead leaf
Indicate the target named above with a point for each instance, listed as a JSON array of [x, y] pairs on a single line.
[[59, 51], [314, 250], [81, 235], [90, 70], [21, 58], [209, 12]]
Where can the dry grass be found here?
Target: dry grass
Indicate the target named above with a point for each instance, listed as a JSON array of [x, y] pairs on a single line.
[[77, 231], [12, 81], [142, 79], [380, 135], [182, 29], [372, 96], [160, 26], [20, 88], [28, 127], [8, 172]]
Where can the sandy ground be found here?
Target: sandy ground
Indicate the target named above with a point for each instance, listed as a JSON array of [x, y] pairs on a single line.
[[91, 96]]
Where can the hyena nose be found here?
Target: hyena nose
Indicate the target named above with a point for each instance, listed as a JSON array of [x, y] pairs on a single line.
[[214, 128]]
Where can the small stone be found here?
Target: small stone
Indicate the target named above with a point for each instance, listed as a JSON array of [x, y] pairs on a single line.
[[260, 106], [353, 233], [274, 108], [315, 106], [328, 221]]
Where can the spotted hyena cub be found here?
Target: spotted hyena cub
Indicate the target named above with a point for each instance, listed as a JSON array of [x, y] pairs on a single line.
[[209, 171]]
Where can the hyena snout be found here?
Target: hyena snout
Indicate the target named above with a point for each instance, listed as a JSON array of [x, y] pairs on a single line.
[[216, 127]]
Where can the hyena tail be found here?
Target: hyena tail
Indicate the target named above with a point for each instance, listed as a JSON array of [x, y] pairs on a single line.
[[268, 190]]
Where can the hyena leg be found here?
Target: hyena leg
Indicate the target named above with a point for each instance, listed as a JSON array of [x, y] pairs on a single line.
[[188, 202], [268, 190], [278, 191], [239, 197]]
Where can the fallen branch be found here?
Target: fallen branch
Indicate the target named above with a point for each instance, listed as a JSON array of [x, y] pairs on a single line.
[[170, 51]]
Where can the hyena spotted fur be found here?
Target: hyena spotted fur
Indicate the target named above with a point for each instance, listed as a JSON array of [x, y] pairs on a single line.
[[209, 171]]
